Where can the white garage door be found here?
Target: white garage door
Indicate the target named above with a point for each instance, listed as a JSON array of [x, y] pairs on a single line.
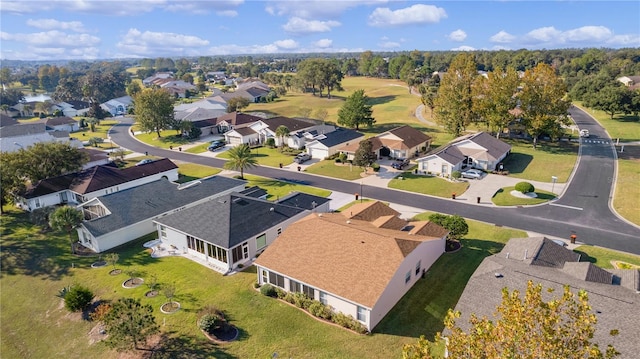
[[319, 153], [234, 140]]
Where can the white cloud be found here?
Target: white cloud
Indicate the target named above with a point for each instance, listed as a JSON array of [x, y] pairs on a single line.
[[315, 9], [52, 24], [52, 38], [625, 40], [232, 49], [286, 44], [543, 34], [323, 43], [389, 45], [415, 14], [150, 43], [502, 37], [587, 33], [457, 36], [227, 13], [297, 25], [464, 48], [581, 36]]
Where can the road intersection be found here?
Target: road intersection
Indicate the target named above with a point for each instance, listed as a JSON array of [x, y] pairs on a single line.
[[583, 209]]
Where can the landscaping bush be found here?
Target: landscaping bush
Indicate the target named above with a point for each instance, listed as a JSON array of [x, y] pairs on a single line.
[[342, 156], [209, 322], [349, 322], [77, 298], [320, 310], [456, 174], [289, 298], [271, 142], [256, 284], [301, 300], [268, 290], [525, 187], [375, 167], [100, 312], [280, 293], [338, 160]]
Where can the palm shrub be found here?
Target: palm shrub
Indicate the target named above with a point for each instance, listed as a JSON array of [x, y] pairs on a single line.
[[525, 187], [77, 298]]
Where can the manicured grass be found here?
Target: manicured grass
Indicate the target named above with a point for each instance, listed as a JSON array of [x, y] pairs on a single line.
[[627, 193], [602, 257], [624, 127], [198, 148], [266, 156], [549, 159], [503, 197], [330, 169], [433, 186], [168, 138], [278, 189], [191, 171], [84, 134]]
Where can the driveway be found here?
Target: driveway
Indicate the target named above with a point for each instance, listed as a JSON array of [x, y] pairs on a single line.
[[486, 187]]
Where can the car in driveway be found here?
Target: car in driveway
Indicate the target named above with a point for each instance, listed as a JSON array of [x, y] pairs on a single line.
[[302, 157], [144, 162], [214, 145], [400, 164], [472, 174]]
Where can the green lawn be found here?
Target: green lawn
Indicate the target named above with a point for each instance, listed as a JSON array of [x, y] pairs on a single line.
[[191, 171], [198, 148], [624, 127], [278, 189], [330, 169], [627, 194], [101, 131], [503, 197], [603, 257], [266, 156], [433, 186], [168, 138], [550, 159]]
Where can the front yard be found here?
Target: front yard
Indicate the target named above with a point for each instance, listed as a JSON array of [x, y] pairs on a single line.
[[503, 197], [330, 169], [433, 186], [550, 159], [266, 156]]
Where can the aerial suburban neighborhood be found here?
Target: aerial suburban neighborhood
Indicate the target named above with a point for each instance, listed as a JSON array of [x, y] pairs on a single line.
[[169, 196]]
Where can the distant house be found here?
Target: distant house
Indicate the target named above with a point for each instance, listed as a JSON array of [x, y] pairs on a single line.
[[117, 106], [613, 293], [230, 230], [632, 82], [63, 123], [160, 75], [370, 260], [79, 187], [327, 144], [73, 108], [96, 158], [259, 131], [120, 217], [22, 136], [400, 142], [478, 150], [229, 121]]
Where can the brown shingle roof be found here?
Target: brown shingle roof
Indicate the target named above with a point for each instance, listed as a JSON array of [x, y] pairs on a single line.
[[353, 260], [410, 136], [390, 222], [238, 118], [428, 228], [56, 121], [369, 211]]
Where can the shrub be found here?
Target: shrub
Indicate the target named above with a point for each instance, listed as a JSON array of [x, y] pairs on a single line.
[[338, 160], [349, 322], [301, 300], [271, 142], [375, 167], [77, 298], [289, 298], [342, 156], [525, 187], [268, 290], [100, 312], [456, 174], [209, 322], [40, 217], [280, 293], [320, 310], [256, 284]]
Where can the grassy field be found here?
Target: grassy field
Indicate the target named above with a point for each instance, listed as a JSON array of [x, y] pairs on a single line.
[[330, 169], [604, 258], [168, 138], [503, 197], [433, 186], [266, 156], [191, 171], [627, 194], [34, 262], [624, 127], [550, 159]]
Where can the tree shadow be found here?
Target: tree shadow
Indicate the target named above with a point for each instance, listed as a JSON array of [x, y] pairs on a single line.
[[178, 346], [517, 162], [381, 100], [584, 257]]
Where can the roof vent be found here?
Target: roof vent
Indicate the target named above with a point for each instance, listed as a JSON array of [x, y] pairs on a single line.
[[498, 275], [348, 222], [320, 215], [271, 209]]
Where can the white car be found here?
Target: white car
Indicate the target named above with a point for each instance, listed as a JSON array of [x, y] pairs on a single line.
[[584, 133], [473, 174], [144, 162]]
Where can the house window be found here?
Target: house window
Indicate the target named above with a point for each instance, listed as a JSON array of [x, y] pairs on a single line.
[[276, 279], [195, 244], [418, 265], [261, 241], [362, 314], [265, 276], [407, 277], [279, 231], [216, 252], [240, 253], [323, 298], [294, 286], [309, 291], [163, 231], [37, 202]]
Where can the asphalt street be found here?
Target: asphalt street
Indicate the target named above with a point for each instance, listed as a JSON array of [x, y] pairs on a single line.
[[583, 208]]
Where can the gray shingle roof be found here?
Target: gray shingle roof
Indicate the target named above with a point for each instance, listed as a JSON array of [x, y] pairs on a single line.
[[339, 136], [255, 192], [303, 200], [230, 219], [539, 251], [152, 199], [588, 271], [494, 146], [22, 130]]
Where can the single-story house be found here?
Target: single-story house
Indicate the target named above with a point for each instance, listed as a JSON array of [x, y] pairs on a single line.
[[120, 217], [96, 158], [117, 106], [79, 187], [23, 135], [479, 150], [362, 269], [229, 231], [401, 142], [613, 293], [229, 121], [632, 82], [160, 75], [259, 131], [73, 108], [63, 123], [327, 144]]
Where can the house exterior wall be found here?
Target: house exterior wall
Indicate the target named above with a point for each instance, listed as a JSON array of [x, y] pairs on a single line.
[[318, 150], [71, 127], [433, 164], [51, 199], [426, 253]]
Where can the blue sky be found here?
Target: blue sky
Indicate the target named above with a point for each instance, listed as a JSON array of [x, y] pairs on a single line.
[[89, 29]]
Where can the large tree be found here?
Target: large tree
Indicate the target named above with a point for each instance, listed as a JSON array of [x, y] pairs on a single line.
[[455, 224], [240, 158], [129, 324], [543, 102], [454, 103], [524, 328], [50, 159], [154, 110], [66, 219], [11, 181], [612, 99], [236, 104], [356, 111], [494, 97], [364, 156]]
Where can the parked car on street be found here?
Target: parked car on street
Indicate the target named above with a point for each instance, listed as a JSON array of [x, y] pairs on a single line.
[[214, 145], [302, 157], [144, 162], [472, 174], [584, 133]]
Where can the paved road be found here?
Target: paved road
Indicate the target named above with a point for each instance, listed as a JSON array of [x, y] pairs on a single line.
[[593, 222]]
